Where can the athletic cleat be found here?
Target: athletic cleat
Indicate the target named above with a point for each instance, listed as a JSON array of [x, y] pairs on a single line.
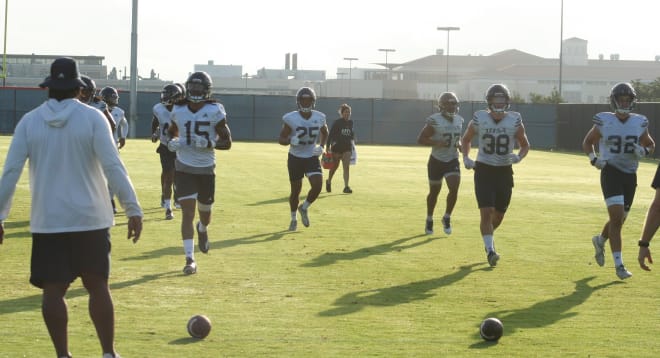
[[622, 273], [190, 268], [347, 190], [293, 225], [599, 245], [446, 225], [328, 186], [203, 239], [303, 216], [493, 257], [168, 214], [429, 227]]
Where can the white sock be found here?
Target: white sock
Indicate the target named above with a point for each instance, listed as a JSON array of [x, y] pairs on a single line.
[[189, 248], [489, 242], [305, 204], [446, 216], [429, 218], [618, 260], [201, 227], [293, 216], [168, 204]]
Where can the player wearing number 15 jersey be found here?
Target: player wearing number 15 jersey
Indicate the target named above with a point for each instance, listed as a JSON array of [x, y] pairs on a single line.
[[622, 138], [442, 132], [305, 132], [497, 131]]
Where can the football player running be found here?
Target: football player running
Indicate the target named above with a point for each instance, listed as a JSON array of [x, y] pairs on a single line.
[[497, 130], [88, 96], [622, 138], [305, 132], [160, 125], [110, 96], [198, 127], [442, 132]]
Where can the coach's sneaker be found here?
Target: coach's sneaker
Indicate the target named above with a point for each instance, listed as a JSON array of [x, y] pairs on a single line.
[[493, 257], [203, 239], [168, 214], [191, 266], [429, 227], [328, 186], [599, 245], [446, 225], [111, 355], [622, 273], [303, 215], [348, 190], [293, 225]]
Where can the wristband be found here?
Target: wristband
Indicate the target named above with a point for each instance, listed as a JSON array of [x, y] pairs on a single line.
[[592, 156], [643, 243]]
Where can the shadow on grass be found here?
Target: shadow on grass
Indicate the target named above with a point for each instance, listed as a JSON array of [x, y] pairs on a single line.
[[11, 225], [396, 295], [544, 313], [185, 340], [330, 258], [279, 201], [33, 302]]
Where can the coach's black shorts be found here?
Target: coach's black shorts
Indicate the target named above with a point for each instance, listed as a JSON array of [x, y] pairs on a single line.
[[493, 186], [187, 184], [62, 257], [299, 167], [438, 169], [614, 182], [167, 158]]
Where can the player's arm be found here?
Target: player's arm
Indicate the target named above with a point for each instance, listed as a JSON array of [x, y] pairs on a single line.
[[466, 140], [424, 137], [155, 129], [285, 133], [591, 140], [224, 135], [647, 142], [523, 142], [108, 116], [324, 136]]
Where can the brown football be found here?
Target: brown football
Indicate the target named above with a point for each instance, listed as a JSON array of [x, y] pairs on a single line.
[[199, 326]]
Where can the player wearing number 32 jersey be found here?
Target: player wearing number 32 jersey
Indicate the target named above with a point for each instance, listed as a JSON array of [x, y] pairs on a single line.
[[497, 131]]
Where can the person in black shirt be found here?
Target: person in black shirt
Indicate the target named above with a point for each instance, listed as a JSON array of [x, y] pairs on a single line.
[[340, 144]]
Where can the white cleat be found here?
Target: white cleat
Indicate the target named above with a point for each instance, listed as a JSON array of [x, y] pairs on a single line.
[[599, 246]]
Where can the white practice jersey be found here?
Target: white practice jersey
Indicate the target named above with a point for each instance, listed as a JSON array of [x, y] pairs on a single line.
[[496, 139], [100, 105], [307, 130], [618, 138], [448, 131], [201, 123], [120, 122], [164, 117]]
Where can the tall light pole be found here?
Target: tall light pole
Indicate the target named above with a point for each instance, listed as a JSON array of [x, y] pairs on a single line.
[[386, 50], [341, 83], [350, 67], [448, 29], [561, 44]]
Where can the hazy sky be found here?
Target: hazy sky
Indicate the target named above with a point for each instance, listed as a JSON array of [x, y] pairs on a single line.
[[175, 35]]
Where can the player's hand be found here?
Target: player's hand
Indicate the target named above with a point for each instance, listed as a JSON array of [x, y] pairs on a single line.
[[174, 144], [644, 253], [598, 163], [318, 150], [2, 232], [513, 158], [294, 140], [468, 163], [122, 142], [134, 228], [640, 151], [154, 137]]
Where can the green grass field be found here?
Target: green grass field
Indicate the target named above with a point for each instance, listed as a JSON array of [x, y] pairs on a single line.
[[363, 280]]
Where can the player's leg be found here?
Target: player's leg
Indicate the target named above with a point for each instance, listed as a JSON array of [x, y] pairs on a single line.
[[54, 312], [346, 167], [205, 200]]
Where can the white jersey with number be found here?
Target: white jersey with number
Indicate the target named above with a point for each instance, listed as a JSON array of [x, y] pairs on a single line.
[[201, 123], [307, 130], [618, 139], [164, 117], [496, 139], [448, 131], [121, 123]]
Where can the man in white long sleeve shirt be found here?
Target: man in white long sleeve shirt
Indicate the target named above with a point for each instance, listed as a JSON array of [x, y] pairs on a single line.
[[71, 215]]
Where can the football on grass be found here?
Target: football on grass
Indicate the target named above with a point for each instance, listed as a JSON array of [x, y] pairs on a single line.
[[491, 329], [199, 326]]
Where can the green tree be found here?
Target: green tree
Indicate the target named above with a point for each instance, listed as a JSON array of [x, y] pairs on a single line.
[[553, 98], [647, 92]]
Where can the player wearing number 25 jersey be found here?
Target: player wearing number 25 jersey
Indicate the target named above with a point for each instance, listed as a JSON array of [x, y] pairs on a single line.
[[497, 131]]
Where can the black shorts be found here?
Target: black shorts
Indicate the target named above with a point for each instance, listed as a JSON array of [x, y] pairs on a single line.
[[167, 158], [341, 148], [493, 186], [299, 167], [62, 257], [438, 169], [187, 184], [614, 182], [656, 179]]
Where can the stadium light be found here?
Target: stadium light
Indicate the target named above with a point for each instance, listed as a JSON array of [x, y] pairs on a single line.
[[386, 50], [448, 29], [350, 66]]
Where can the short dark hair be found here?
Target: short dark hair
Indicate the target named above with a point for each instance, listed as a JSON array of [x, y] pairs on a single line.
[[61, 94]]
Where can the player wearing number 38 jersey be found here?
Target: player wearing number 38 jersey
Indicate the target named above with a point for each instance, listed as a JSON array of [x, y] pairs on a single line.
[[497, 131]]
